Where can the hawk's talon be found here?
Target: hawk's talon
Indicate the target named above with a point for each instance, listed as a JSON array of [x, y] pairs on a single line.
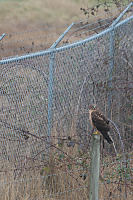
[[96, 133]]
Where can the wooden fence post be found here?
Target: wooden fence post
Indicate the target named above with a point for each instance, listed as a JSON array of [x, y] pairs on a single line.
[[95, 167]]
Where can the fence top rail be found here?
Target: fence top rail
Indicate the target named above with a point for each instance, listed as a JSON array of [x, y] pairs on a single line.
[[122, 14], [62, 48]]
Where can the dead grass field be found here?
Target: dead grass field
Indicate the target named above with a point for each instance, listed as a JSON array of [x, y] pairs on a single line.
[[20, 15], [61, 184], [16, 15], [48, 16], [34, 26]]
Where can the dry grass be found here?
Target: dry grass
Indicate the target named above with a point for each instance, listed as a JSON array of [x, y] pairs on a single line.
[[17, 15], [24, 14], [56, 184], [56, 181]]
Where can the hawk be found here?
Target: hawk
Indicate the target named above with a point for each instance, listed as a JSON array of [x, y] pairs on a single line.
[[100, 122]]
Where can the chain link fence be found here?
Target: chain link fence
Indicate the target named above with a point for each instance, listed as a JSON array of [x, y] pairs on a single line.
[[44, 121]]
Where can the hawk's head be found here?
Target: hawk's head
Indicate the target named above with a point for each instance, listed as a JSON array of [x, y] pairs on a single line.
[[92, 107]]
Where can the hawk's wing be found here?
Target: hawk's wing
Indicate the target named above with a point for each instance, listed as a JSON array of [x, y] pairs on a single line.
[[100, 121]]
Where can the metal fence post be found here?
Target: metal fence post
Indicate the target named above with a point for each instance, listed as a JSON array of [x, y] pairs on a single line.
[[2, 36], [50, 85], [112, 49], [95, 167], [111, 64]]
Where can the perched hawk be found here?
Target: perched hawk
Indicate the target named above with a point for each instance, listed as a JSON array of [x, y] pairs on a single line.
[[99, 121]]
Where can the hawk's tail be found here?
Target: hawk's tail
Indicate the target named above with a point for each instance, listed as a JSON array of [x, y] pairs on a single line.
[[106, 136]]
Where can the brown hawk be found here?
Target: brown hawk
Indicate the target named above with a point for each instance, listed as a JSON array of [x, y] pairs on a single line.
[[100, 122]]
